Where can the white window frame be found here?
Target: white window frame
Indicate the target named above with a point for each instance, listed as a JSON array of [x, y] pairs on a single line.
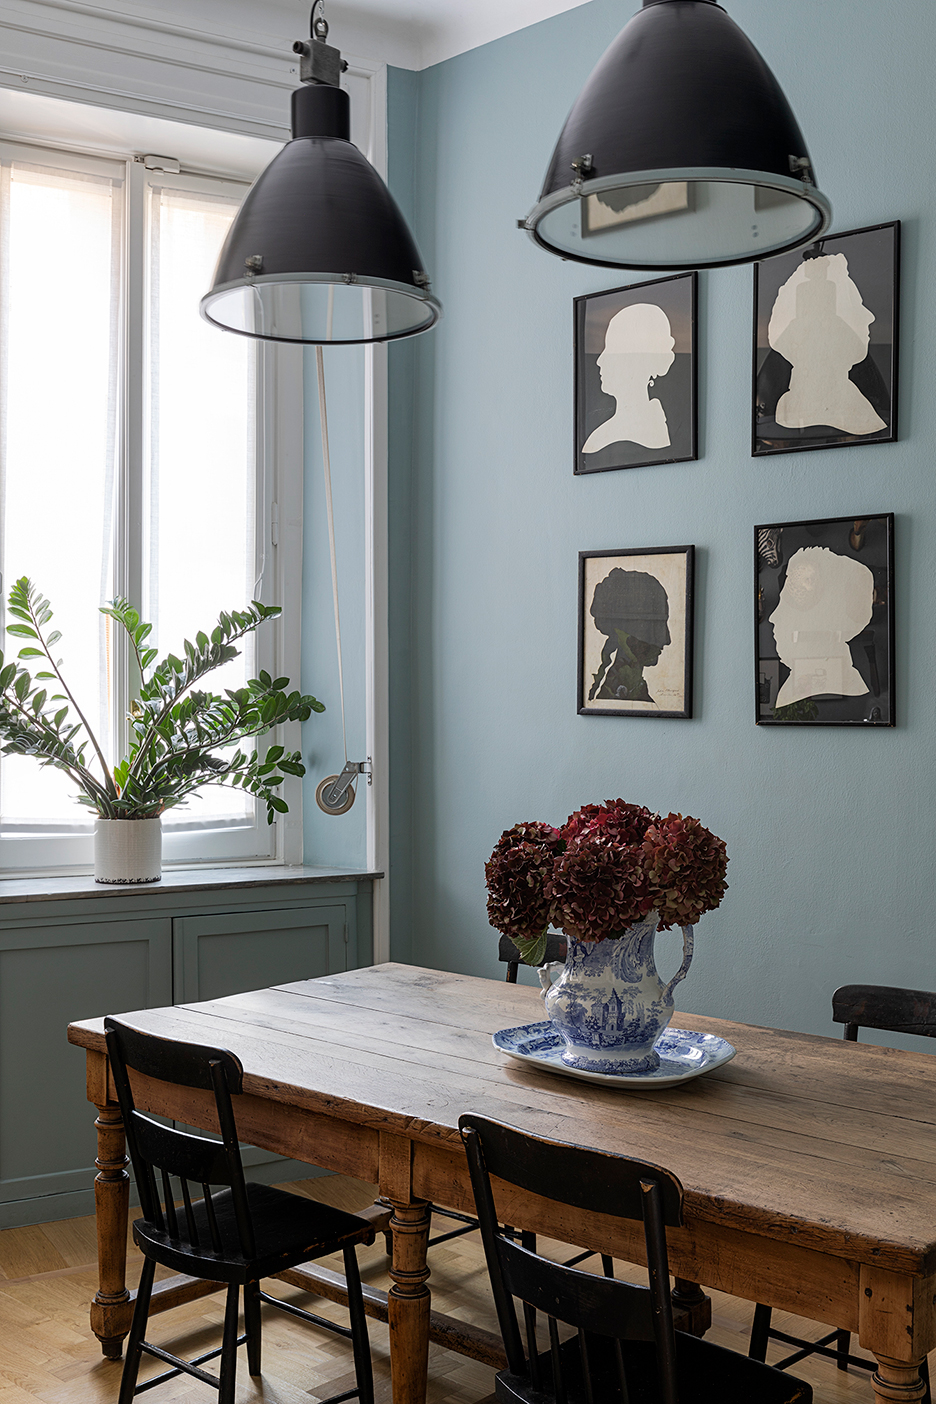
[[123, 69], [278, 542]]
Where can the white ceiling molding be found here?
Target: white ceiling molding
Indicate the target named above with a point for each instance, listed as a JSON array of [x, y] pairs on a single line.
[[419, 33]]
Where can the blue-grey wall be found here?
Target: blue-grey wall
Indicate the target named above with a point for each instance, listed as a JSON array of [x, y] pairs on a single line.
[[830, 832]]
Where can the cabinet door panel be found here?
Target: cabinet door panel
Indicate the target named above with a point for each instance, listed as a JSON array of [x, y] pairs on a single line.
[[50, 976], [223, 955]]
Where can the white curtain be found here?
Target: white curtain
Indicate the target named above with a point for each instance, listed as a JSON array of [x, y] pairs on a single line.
[[60, 267]]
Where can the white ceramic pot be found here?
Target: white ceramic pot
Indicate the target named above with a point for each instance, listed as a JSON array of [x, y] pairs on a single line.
[[127, 850], [609, 1004]]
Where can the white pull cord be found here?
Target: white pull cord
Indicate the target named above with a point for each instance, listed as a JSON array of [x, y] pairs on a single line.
[[330, 514], [334, 794]]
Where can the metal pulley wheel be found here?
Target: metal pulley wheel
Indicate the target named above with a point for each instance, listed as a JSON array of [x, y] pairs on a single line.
[[326, 788]]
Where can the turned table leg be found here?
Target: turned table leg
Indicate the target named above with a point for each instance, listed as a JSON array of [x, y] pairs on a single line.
[[408, 1303], [110, 1309], [896, 1382], [691, 1300]]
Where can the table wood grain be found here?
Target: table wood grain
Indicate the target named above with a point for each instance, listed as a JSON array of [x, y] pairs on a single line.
[[809, 1164]]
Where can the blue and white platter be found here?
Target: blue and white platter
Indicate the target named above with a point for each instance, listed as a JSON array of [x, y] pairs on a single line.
[[683, 1055]]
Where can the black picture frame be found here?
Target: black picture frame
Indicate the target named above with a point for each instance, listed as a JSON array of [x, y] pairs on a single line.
[[663, 407], [623, 672], [801, 312], [824, 619]]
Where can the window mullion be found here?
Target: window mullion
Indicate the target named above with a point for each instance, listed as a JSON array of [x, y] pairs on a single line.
[[128, 544]]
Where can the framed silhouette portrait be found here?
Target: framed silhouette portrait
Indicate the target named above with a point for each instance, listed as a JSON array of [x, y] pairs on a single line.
[[825, 343], [824, 622], [635, 375], [635, 632]]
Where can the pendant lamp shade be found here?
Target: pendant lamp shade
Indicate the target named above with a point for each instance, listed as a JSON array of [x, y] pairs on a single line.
[[319, 251], [681, 151]]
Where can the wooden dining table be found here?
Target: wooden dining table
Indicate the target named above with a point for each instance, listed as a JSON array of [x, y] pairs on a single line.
[[808, 1163]]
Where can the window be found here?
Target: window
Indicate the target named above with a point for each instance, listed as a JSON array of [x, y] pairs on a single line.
[[136, 459]]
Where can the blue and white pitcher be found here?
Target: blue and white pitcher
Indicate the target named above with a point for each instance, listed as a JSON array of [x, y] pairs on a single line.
[[609, 1004]]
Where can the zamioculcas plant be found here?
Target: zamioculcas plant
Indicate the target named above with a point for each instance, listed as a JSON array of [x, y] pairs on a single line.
[[176, 728]]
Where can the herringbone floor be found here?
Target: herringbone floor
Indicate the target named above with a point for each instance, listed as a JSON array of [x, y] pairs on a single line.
[[47, 1277]]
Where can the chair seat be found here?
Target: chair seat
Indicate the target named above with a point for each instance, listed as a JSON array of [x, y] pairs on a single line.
[[708, 1374], [288, 1229]]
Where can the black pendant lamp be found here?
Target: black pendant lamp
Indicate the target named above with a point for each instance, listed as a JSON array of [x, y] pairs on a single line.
[[681, 151], [319, 251]]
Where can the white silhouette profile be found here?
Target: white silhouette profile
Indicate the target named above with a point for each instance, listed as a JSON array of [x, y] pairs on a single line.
[[825, 601], [821, 326], [638, 348]]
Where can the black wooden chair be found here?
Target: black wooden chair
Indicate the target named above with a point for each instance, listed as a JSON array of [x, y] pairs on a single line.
[[236, 1234], [624, 1349], [893, 1010]]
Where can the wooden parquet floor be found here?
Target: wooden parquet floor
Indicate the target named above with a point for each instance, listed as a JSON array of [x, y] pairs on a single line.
[[47, 1277]]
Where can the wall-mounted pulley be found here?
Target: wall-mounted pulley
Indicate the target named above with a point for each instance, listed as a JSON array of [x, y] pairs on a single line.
[[335, 794]]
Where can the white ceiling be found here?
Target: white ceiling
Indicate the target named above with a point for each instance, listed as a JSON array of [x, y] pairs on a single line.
[[417, 33]]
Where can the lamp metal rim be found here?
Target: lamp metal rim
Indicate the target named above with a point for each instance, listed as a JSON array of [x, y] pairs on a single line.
[[339, 279], [728, 175]]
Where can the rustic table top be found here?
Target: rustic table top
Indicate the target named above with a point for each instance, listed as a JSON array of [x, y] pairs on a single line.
[[828, 1144]]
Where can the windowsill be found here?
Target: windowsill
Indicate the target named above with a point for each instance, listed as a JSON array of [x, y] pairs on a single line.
[[40, 889]]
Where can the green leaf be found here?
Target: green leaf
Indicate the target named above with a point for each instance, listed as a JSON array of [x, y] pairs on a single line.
[[22, 631], [21, 686], [280, 805], [53, 638], [30, 653], [532, 949], [274, 753], [7, 676]]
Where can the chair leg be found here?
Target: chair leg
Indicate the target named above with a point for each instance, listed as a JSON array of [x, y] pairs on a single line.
[[924, 1376], [134, 1351], [252, 1325], [842, 1346], [360, 1345], [760, 1333], [228, 1369]]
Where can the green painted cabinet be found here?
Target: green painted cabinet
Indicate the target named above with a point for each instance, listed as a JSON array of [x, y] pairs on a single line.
[[216, 956], [48, 973], [77, 952]]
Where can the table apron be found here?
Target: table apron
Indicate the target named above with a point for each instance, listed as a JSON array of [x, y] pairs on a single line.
[[894, 1314], [299, 1133], [820, 1286]]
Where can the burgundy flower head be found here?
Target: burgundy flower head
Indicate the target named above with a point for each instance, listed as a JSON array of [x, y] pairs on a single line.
[[517, 874], [685, 864], [599, 887], [616, 819]]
